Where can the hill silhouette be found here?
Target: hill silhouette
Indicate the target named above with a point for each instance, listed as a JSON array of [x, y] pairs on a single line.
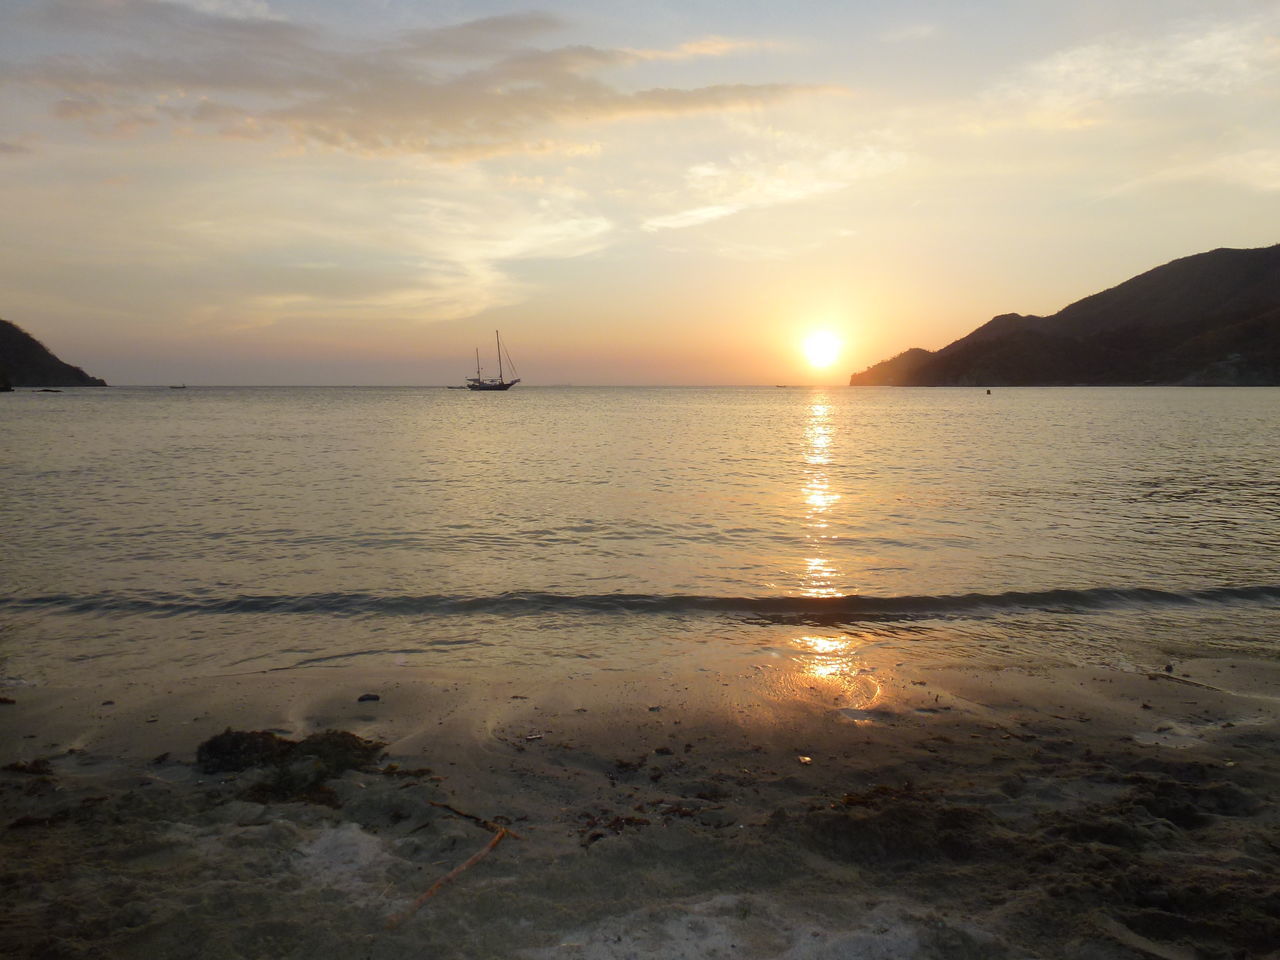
[[1208, 319], [26, 362]]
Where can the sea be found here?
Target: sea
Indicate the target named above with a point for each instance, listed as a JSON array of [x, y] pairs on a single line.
[[208, 532]]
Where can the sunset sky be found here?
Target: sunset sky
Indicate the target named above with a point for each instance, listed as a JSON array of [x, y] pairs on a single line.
[[361, 191]]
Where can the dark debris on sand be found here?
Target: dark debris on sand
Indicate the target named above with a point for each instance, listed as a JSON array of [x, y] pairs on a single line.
[[38, 767], [1173, 855], [1052, 846], [149, 868], [299, 768]]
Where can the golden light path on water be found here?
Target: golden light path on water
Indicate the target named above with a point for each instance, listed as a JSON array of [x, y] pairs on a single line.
[[820, 575], [832, 662]]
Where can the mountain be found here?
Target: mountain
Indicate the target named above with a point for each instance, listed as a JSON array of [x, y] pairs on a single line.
[[26, 362], [1208, 319]]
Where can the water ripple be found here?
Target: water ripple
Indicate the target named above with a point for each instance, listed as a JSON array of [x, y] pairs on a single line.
[[833, 609]]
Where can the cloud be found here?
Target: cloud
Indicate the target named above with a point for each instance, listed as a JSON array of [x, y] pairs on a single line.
[[192, 237], [707, 47], [441, 249], [156, 25], [1256, 169], [460, 92], [786, 170], [480, 38], [1075, 87], [910, 33], [245, 9], [372, 229]]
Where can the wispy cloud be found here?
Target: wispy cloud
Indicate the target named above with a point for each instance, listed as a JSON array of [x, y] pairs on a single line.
[[387, 222], [910, 33], [248, 9], [481, 38], [459, 92], [1256, 169], [786, 170], [442, 248], [708, 47], [1076, 87], [209, 242]]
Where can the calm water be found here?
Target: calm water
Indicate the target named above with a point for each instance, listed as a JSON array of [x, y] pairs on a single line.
[[214, 531]]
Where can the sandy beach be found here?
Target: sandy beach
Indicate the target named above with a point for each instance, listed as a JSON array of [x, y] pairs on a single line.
[[755, 810]]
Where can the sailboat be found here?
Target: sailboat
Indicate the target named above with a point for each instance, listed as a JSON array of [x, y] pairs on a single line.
[[480, 382]]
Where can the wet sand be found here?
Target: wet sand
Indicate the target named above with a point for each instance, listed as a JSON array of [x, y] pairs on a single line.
[[745, 809]]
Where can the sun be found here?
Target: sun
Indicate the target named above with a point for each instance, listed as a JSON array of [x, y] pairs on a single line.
[[821, 348]]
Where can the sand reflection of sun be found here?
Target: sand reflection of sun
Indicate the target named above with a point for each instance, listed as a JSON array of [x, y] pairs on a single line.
[[835, 661], [825, 645]]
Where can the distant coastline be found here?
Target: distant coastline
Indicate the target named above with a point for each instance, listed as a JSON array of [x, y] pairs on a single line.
[[1212, 319], [26, 362]]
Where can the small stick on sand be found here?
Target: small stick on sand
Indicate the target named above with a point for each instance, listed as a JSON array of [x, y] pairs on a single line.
[[1183, 680], [487, 824], [396, 919]]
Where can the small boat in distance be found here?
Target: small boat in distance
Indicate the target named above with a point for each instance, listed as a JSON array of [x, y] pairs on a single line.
[[481, 382]]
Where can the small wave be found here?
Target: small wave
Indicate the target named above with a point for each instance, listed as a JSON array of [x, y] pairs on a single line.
[[846, 609]]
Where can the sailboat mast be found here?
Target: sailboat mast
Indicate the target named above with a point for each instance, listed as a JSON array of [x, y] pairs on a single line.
[[477, 363], [499, 343]]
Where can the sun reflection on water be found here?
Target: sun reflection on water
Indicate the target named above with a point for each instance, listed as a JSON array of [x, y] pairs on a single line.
[[818, 495], [820, 576], [818, 433]]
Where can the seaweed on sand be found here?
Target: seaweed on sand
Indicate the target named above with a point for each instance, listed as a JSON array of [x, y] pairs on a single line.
[[234, 750]]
